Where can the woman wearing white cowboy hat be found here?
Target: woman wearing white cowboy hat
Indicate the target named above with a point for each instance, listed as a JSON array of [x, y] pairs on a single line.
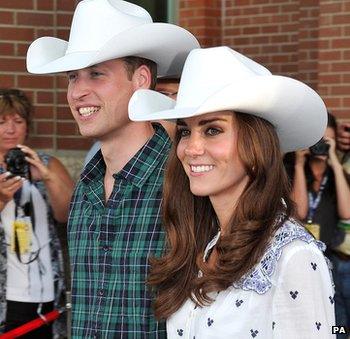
[[237, 264], [115, 224]]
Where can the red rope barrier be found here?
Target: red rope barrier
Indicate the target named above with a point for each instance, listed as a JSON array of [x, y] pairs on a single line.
[[31, 325]]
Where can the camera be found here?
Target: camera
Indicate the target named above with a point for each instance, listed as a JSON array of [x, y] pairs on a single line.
[[16, 162], [320, 148]]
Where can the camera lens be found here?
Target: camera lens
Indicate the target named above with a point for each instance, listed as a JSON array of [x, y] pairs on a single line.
[[16, 163], [320, 148]]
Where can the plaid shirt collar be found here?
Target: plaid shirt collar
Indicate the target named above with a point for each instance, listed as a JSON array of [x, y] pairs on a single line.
[[139, 167]]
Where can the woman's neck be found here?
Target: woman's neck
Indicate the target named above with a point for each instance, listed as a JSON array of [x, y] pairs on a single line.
[[225, 202], [224, 214]]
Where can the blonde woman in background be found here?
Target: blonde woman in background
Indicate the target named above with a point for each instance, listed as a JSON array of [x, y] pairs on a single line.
[[31, 280]]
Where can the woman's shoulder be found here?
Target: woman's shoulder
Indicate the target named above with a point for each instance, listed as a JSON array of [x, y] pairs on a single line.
[[44, 157], [290, 232], [289, 238], [49, 160]]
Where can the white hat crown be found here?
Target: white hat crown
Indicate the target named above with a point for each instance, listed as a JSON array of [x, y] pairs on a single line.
[[212, 69], [103, 30], [95, 22]]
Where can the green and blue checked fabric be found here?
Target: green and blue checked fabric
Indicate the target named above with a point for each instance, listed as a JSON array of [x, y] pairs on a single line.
[[110, 245]]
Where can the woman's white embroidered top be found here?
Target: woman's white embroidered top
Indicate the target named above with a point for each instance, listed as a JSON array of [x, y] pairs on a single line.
[[288, 295]]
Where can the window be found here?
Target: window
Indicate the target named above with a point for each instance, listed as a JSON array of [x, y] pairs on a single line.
[[160, 10]]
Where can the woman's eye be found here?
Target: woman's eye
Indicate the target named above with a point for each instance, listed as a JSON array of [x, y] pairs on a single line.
[[183, 133], [213, 131]]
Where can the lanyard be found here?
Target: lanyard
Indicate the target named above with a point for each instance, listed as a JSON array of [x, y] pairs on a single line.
[[28, 211], [315, 201]]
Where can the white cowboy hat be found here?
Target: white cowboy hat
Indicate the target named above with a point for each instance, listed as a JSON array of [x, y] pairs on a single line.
[[219, 78], [108, 29]]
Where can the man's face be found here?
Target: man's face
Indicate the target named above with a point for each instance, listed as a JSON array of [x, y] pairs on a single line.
[[168, 87], [98, 97]]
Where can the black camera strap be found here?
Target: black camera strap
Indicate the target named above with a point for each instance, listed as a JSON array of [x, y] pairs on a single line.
[[28, 210], [314, 201]]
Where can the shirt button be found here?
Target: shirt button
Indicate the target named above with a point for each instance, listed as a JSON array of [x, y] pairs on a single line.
[[105, 248], [101, 293]]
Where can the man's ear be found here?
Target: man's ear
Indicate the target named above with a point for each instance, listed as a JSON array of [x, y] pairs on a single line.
[[142, 78]]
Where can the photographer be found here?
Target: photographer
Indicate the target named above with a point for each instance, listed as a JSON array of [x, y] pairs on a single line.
[[320, 189], [343, 136], [35, 191], [343, 144]]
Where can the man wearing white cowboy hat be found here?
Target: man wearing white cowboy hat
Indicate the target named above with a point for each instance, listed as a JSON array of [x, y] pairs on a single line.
[[114, 227], [237, 263]]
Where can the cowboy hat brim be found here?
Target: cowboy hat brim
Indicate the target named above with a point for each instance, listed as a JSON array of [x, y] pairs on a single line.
[[294, 109], [166, 44]]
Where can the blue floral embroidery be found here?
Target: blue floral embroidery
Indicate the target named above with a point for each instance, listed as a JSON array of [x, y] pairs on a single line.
[[258, 279]]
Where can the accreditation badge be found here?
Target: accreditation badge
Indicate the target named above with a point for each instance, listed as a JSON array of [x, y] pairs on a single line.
[[344, 247], [314, 229], [22, 234]]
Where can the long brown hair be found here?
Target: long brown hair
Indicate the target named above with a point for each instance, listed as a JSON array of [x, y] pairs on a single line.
[[190, 222]]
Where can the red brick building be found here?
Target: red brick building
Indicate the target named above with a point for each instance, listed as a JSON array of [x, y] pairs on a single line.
[[305, 39]]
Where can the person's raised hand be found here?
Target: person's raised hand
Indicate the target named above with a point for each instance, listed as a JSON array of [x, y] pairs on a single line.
[[38, 169], [343, 136], [300, 157], [8, 186], [332, 155]]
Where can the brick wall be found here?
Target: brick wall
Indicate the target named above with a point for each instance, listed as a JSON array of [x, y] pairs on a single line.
[[22, 21], [203, 18], [334, 56], [306, 39]]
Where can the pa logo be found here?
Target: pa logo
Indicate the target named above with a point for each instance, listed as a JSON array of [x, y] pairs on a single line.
[[339, 329]]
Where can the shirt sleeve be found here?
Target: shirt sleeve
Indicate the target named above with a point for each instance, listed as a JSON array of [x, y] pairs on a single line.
[[303, 304]]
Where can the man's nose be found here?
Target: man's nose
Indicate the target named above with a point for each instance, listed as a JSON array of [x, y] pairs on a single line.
[[78, 89]]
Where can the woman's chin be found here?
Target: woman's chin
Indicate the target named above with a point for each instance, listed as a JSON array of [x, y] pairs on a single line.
[[200, 191]]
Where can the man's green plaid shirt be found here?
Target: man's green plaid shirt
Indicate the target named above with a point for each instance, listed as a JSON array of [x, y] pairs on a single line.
[[110, 245]]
